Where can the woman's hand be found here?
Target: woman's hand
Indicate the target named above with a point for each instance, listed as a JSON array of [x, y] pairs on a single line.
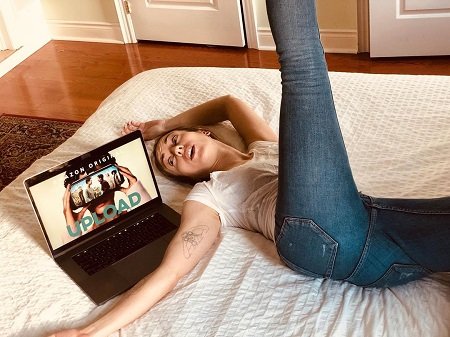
[[150, 130], [71, 217], [130, 176]]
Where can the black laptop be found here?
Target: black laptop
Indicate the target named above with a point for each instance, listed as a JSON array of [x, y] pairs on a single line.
[[103, 217]]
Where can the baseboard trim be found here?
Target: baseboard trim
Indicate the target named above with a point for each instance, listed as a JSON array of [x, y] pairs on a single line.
[[333, 40], [340, 40], [22, 53], [86, 31], [265, 39]]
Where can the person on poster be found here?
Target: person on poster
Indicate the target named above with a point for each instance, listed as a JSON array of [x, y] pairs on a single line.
[[102, 206], [89, 193]]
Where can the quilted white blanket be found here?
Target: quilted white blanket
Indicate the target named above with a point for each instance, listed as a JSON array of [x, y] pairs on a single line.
[[397, 131]]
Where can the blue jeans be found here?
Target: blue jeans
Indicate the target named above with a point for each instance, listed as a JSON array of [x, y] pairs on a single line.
[[324, 226]]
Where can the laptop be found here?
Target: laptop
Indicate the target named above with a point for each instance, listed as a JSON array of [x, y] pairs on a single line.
[[103, 217]]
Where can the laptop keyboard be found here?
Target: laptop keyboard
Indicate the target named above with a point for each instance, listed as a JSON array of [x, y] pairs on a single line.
[[123, 243]]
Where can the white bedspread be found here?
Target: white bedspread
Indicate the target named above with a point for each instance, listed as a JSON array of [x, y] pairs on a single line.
[[397, 131]]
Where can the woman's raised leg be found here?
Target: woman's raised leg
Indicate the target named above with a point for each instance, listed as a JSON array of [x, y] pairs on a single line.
[[321, 222], [324, 227]]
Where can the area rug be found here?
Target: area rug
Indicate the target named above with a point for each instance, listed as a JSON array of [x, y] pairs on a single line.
[[25, 139]]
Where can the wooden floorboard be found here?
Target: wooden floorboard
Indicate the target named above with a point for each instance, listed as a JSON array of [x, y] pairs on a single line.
[[68, 80]]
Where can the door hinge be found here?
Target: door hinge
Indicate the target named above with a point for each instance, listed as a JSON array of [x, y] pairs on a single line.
[[127, 6]]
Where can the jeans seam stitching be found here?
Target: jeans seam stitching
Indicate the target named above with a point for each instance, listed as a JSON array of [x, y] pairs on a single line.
[[331, 264], [385, 274], [366, 246], [408, 210], [392, 269], [281, 232]]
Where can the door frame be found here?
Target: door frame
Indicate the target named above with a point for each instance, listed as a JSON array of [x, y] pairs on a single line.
[[9, 39], [129, 36], [25, 39], [363, 26], [125, 22]]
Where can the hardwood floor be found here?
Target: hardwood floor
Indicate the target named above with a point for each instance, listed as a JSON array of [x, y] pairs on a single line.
[[68, 80]]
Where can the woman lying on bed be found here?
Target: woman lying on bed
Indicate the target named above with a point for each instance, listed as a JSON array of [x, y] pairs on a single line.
[[299, 192]]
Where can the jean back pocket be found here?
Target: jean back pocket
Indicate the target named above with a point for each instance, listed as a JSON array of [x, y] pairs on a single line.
[[399, 274], [306, 248]]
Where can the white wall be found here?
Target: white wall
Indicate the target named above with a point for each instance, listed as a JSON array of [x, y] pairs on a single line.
[[80, 10], [83, 20], [337, 22], [24, 25], [337, 14]]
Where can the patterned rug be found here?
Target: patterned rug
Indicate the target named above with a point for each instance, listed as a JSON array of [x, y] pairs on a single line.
[[25, 139]]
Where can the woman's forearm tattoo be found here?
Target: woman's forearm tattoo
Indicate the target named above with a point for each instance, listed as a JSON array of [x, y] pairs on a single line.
[[192, 238]]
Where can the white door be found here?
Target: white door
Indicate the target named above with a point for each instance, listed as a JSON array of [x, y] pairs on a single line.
[[409, 27], [212, 22]]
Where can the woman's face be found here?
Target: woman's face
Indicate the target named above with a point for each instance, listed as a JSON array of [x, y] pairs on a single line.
[[187, 153]]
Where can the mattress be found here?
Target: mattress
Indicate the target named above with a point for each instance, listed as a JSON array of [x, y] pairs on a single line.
[[397, 132]]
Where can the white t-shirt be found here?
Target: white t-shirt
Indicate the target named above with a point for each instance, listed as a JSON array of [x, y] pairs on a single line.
[[245, 196]]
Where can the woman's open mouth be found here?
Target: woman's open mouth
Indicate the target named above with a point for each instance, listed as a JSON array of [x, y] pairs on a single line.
[[191, 152]]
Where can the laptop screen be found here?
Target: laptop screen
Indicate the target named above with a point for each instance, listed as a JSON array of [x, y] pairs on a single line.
[[93, 191]]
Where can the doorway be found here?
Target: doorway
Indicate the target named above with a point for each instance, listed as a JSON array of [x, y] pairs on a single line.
[[22, 31], [7, 45], [244, 18], [208, 22]]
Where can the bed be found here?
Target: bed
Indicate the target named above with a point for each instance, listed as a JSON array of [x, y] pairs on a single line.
[[397, 131]]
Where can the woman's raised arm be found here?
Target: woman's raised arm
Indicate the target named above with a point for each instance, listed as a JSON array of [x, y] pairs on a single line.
[[249, 125], [197, 233]]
